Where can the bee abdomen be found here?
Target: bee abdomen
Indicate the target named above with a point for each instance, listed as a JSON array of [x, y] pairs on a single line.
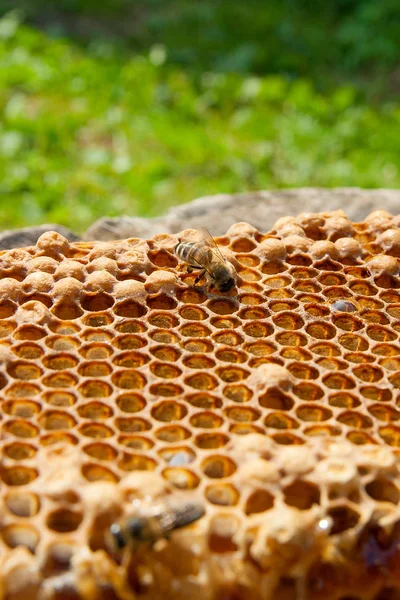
[[186, 251]]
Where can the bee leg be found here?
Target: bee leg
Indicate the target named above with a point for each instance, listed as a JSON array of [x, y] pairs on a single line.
[[199, 276]]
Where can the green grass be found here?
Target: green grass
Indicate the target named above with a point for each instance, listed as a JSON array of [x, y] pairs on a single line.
[[91, 132]]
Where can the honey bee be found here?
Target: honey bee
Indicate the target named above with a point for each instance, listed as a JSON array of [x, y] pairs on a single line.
[[207, 258], [149, 527]]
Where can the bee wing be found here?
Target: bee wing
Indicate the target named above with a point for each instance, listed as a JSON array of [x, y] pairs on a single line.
[[211, 243]]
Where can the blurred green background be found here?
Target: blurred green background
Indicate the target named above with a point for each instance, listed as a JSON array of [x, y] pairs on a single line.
[[112, 107]]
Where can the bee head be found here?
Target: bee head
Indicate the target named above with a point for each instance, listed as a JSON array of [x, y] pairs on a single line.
[[227, 285], [117, 536]]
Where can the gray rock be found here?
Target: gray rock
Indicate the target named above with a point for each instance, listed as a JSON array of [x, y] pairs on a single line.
[[261, 209], [28, 236]]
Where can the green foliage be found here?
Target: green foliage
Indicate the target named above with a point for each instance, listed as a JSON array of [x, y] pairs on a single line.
[[84, 135], [326, 41]]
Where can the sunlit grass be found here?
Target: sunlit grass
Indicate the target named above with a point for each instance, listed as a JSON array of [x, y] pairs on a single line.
[[84, 135]]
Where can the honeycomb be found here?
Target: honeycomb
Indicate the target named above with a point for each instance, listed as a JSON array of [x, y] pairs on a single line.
[[276, 406]]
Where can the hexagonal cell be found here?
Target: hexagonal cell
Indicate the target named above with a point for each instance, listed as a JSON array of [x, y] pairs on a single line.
[[259, 501], [230, 355], [131, 402], [355, 419], [390, 435], [23, 370], [123, 342], [287, 439], [359, 287], [19, 475], [163, 336], [246, 429], [232, 374], [237, 393], [97, 302], [254, 313], [61, 343], [16, 535], [58, 437], [54, 420], [295, 353], [374, 316], [191, 296], [353, 342], [129, 360], [168, 410], [306, 285], [203, 400], [26, 409], [93, 472], [96, 411], [368, 373], [344, 400], [218, 466], [19, 450], [289, 321], [193, 313], [177, 456], [198, 361], [130, 326], [359, 357], [162, 258], [206, 420], [333, 364], [100, 451], [338, 381], [343, 517], [274, 398], [301, 494], [136, 462], [383, 490], [374, 393], [292, 339], [163, 320], [97, 320], [257, 329], [308, 391], [391, 364], [321, 330], [303, 371], [7, 327], [67, 310], [199, 346], [381, 334], [195, 330], [331, 279], [25, 332], [201, 381], [207, 441], [167, 390], [20, 428], [360, 438], [388, 350], [95, 389], [137, 442], [322, 431], [132, 424], [99, 335], [28, 350], [281, 305], [222, 494], [242, 413], [60, 362], [161, 302], [313, 413], [181, 478], [172, 434], [225, 322], [280, 420], [130, 309], [337, 293], [22, 503], [64, 328], [127, 379], [20, 390], [60, 380], [96, 430]]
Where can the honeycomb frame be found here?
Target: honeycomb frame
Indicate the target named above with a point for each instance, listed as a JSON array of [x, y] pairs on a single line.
[[276, 405]]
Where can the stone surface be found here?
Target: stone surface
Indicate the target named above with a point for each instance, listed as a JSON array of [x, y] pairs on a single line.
[[28, 236], [261, 209], [217, 213]]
